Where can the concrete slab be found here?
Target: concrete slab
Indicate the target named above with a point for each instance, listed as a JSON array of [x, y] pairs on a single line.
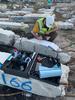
[[28, 18]]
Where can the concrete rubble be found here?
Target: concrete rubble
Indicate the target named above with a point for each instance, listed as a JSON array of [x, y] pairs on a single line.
[[46, 11], [64, 77], [65, 25], [13, 13], [42, 47], [67, 15], [28, 18], [27, 9], [6, 37], [4, 19], [72, 20], [13, 25], [63, 10], [66, 10], [27, 15], [32, 17], [33, 44], [21, 12]]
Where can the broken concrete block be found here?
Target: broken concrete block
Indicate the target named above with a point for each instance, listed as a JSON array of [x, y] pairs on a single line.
[[18, 12], [62, 10], [65, 25], [68, 15], [13, 25], [42, 47], [25, 19], [13, 13], [46, 11], [27, 9], [4, 19], [65, 74], [34, 45], [72, 20], [24, 44], [28, 18], [7, 37], [64, 57]]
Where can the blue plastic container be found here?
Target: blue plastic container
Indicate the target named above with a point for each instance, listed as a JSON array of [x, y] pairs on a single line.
[[45, 72]]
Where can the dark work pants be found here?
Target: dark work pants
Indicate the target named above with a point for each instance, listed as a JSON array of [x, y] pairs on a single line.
[[52, 36]]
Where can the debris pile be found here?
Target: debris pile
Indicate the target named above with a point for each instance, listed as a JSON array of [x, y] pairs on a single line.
[[72, 20], [65, 25], [6, 37], [39, 62]]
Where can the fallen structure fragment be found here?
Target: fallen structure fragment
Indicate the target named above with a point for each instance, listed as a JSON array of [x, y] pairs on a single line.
[[65, 25], [28, 18], [28, 79], [6, 37], [13, 13], [46, 11], [13, 25], [72, 20], [42, 47]]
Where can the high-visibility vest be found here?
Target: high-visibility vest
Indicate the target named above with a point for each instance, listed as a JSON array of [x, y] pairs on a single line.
[[42, 29]]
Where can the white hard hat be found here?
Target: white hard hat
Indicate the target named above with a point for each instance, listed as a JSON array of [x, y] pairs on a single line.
[[49, 21]]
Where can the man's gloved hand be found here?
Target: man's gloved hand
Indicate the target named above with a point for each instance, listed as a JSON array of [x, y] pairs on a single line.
[[39, 38], [36, 36], [48, 37]]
